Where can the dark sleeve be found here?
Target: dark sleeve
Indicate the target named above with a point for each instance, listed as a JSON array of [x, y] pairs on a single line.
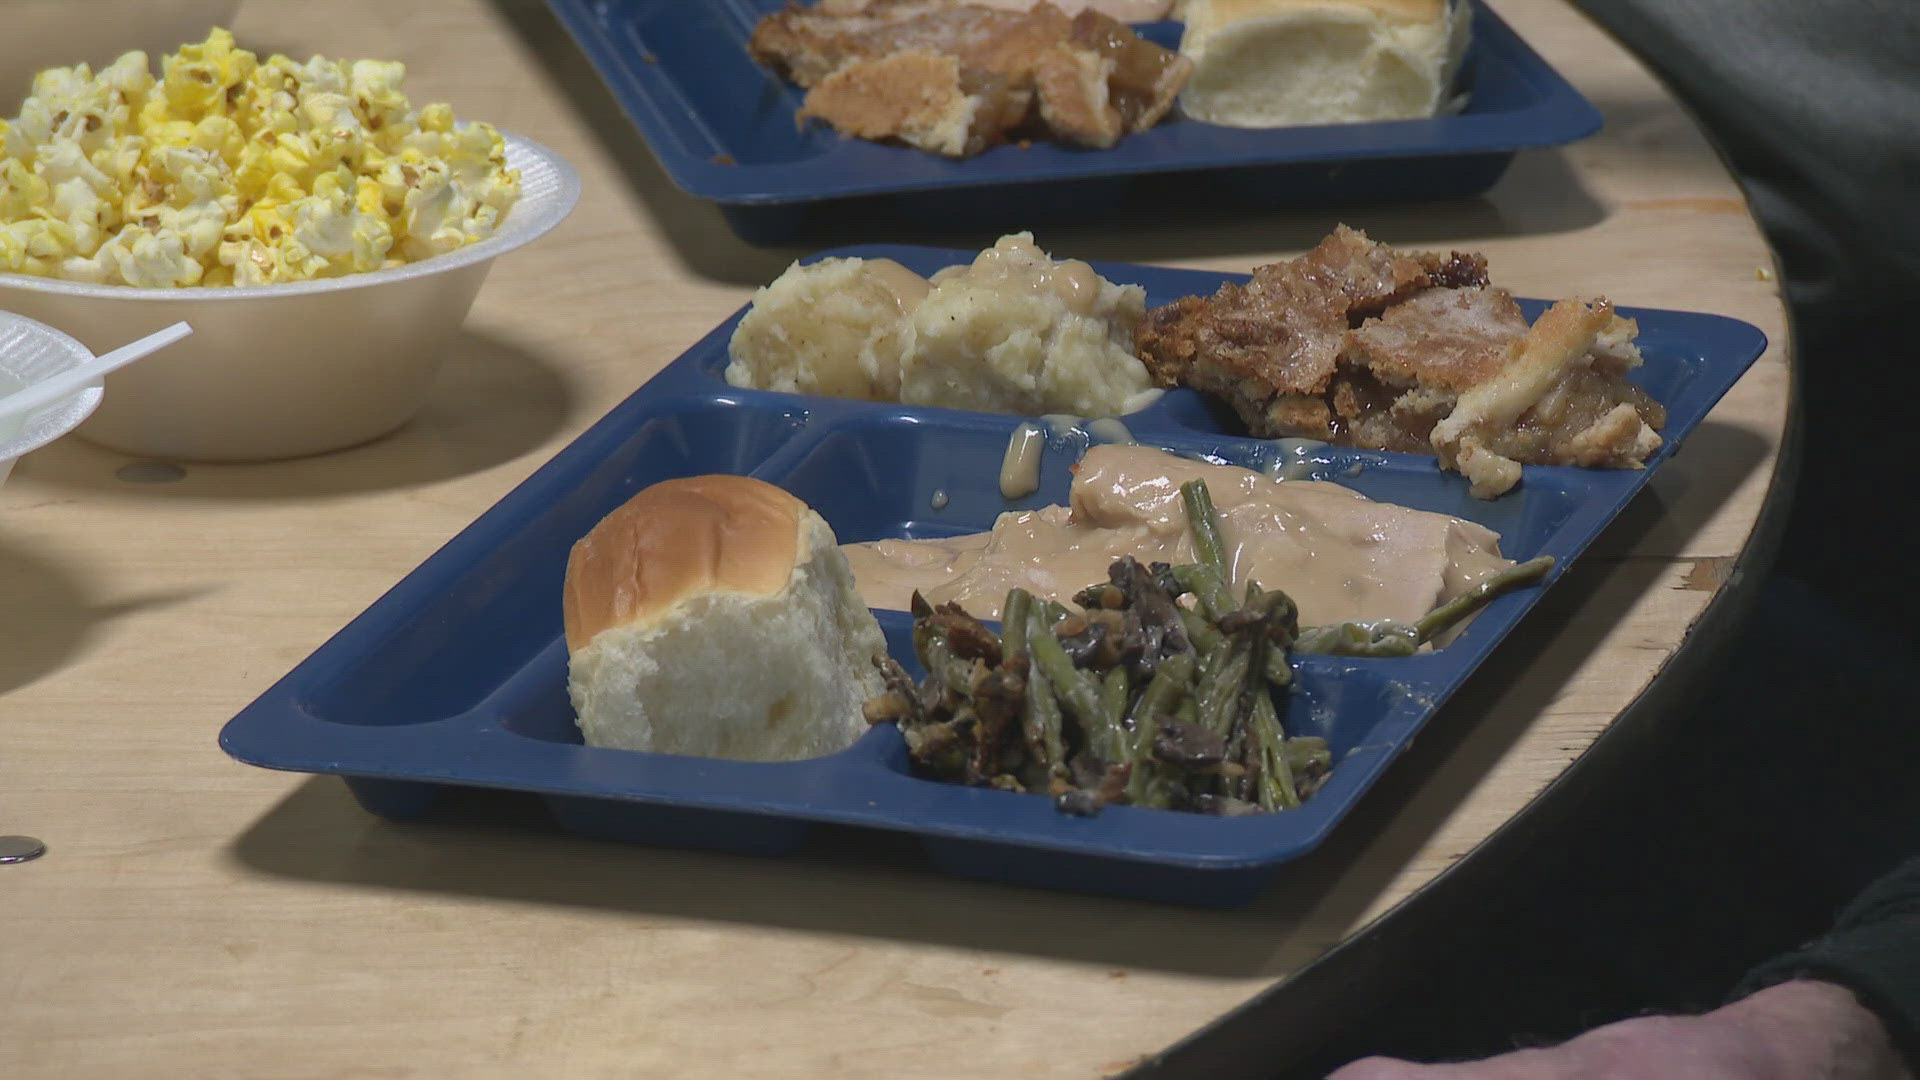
[[1874, 951], [1813, 102]]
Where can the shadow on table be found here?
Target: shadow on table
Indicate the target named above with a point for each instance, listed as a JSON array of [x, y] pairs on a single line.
[[1657, 131], [46, 616], [1677, 504], [1180, 222], [863, 883], [491, 402], [1557, 203]]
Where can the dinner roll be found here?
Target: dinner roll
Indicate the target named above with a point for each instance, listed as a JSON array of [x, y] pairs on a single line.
[[1276, 63], [716, 616]]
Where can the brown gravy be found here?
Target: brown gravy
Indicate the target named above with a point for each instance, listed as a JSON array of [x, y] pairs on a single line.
[[1340, 555]]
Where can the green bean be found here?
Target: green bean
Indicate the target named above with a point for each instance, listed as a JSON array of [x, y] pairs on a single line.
[[1189, 714], [1457, 609], [1254, 740], [1220, 698], [1207, 586], [1145, 770], [1189, 711], [1284, 611], [1307, 752], [1051, 612], [1044, 739], [1074, 689], [1388, 637], [1279, 669], [1211, 660], [1205, 527], [1013, 621], [937, 747], [1164, 693], [1276, 775], [1254, 635], [1382, 637], [1114, 691], [1200, 633]]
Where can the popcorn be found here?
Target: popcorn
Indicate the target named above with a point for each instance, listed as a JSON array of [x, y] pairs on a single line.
[[231, 170]]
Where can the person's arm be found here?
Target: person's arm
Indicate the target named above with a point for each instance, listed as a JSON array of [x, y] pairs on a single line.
[[1874, 951], [1844, 1007], [1798, 1030]]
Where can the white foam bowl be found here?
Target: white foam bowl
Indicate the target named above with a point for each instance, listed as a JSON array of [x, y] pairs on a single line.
[[30, 352], [279, 371]]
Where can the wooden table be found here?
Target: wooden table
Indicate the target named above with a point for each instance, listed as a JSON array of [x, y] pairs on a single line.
[[195, 917]]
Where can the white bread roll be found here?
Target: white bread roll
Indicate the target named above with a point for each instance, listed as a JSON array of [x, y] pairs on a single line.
[[1279, 63], [716, 616]]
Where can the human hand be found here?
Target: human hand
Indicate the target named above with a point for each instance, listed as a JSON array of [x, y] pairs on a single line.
[[1795, 1030]]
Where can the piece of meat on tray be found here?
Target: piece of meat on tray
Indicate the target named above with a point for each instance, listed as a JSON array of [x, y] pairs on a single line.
[[955, 78], [1269, 348], [1358, 344]]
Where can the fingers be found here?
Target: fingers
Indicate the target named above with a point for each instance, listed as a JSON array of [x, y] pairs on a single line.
[[1554, 1063], [1379, 1068], [1643, 1048]]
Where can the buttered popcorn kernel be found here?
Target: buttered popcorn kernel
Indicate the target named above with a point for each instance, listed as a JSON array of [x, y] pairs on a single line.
[[231, 170]]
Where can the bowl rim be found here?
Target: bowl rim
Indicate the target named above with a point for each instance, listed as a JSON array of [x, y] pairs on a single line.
[[531, 217], [50, 422]]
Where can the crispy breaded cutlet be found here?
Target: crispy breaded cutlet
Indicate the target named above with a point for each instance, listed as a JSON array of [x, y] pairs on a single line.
[[1359, 344], [955, 78], [1270, 347]]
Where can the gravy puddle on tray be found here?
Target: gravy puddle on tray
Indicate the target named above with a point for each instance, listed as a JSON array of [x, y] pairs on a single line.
[[1340, 555]]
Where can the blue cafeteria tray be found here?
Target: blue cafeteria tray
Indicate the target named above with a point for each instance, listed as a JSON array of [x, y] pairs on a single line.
[[723, 129], [456, 678]]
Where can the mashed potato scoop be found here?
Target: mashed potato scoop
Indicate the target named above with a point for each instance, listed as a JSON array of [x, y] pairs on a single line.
[[1013, 331]]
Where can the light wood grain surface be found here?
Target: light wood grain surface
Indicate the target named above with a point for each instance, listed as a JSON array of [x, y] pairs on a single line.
[[196, 917]]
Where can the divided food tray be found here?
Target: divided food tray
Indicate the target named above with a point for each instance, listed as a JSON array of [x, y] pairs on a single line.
[[456, 678], [723, 128]]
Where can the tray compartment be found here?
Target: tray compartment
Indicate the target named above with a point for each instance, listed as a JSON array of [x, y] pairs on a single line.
[[716, 99], [873, 476], [534, 703], [484, 605]]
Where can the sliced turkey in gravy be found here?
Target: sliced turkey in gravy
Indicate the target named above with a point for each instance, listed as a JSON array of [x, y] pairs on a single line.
[[1340, 555]]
